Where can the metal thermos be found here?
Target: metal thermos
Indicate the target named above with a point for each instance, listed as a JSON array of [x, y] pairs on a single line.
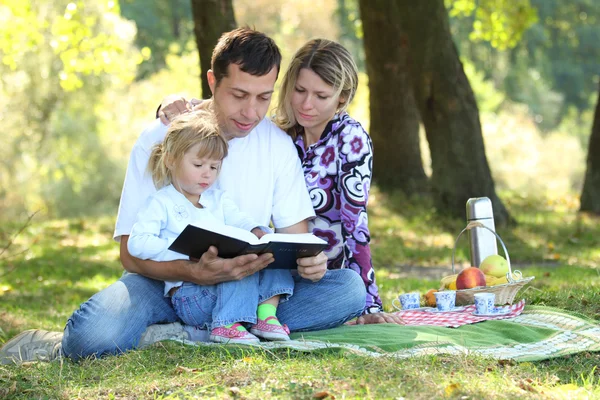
[[483, 242]]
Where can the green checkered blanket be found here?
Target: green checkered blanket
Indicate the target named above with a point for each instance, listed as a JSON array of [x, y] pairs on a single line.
[[538, 333]]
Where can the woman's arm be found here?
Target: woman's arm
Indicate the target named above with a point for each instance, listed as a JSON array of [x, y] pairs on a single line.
[[356, 153]]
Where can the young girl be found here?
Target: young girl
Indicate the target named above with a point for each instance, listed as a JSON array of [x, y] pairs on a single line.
[[184, 168]]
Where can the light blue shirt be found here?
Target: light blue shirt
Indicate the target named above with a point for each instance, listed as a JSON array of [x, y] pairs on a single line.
[[167, 212]]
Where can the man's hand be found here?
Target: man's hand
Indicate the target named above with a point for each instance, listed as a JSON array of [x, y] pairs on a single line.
[[313, 268], [379, 318], [211, 269]]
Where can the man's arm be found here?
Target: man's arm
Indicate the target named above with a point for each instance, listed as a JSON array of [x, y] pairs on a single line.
[[311, 268], [209, 270]]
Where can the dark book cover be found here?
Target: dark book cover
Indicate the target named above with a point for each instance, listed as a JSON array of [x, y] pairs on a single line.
[[195, 241]]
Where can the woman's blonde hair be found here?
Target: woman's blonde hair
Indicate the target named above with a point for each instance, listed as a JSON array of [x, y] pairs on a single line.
[[332, 63], [184, 132]]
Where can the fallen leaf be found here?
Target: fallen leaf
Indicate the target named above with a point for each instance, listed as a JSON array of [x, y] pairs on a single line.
[[322, 395], [451, 389], [546, 274], [181, 370], [526, 385], [506, 362]]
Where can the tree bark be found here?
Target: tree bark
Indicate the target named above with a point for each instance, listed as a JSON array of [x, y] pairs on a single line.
[[590, 194], [211, 19], [448, 110], [394, 116]]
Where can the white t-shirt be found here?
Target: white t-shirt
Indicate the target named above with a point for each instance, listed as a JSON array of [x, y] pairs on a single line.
[[262, 174], [167, 212]]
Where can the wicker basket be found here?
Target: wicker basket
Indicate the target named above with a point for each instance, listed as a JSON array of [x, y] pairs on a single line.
[[505, 293]]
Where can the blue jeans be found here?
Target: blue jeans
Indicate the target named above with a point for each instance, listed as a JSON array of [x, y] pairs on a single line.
[[230, 302], [112, 321]]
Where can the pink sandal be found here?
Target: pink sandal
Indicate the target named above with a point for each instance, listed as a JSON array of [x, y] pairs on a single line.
[[269, 331], [232, 335]]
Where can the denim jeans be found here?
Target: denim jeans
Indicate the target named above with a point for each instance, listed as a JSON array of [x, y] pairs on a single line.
[[112, 321], [230, 302]]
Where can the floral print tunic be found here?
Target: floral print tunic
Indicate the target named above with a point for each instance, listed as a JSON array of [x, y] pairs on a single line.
[[337, 169]]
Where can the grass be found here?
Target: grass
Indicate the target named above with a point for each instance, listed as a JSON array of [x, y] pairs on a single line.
[[53, 266]]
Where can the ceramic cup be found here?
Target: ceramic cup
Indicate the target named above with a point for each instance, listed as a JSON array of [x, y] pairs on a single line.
[[484, 303], [445, 300], [407, 301]]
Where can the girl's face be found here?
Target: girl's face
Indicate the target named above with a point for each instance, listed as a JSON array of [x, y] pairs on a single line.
[[314, 102], [193, 175]]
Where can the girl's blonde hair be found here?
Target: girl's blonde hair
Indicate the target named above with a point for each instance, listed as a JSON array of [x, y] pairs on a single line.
[[184, 132], [332, 63]]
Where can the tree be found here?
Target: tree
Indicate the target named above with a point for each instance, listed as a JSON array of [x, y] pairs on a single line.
[[448, 109], [394, 115], [211, 19], [590, 194]]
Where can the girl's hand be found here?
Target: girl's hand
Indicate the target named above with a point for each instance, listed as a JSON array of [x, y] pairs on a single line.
[[258, 232]]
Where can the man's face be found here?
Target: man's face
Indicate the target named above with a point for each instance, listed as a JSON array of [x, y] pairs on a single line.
[[241, 100]]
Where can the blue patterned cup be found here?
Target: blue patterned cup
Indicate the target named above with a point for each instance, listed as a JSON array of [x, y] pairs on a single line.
[[408, 301], [445, 300], [484, 303]]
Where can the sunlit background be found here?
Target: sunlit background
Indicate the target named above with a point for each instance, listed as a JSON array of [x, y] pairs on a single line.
[[80, 80]]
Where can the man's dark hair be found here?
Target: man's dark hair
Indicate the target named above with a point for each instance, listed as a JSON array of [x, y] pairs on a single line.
[[253, 51]]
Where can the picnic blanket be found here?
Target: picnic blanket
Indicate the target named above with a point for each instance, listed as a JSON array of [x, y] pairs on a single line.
[[538, 333]]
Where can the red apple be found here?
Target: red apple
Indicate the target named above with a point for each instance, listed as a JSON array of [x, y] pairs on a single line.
[[469, 278]]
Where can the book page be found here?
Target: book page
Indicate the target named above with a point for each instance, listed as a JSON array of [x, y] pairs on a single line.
[[292, 238], [227, 230]]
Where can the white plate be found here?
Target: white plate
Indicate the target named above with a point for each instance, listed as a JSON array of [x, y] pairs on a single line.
[[455, 309], [417, 309], [498, 312]]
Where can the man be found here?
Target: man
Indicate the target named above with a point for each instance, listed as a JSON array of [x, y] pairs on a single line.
[[263, 175]]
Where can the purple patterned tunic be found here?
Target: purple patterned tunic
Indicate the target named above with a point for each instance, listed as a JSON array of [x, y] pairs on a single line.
[[337, 169]]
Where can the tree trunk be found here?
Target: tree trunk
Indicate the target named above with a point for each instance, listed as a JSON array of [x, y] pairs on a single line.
[[590, 195], [211, 19], [448, 109], [394, 115]]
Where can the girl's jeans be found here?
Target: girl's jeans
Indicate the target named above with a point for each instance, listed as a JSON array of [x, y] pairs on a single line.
[[229, 302], [112, 321]]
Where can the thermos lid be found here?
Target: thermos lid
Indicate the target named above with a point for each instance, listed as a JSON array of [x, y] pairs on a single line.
[[479, 208]]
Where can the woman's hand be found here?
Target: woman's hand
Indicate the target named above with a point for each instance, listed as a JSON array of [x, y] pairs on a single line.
[[313, 268], [173, 105], [379, 318]]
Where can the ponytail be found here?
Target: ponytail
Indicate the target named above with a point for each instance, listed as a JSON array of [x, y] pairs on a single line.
[[157, 165]]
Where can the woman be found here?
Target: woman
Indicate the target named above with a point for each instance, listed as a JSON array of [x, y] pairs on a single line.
[[337, 157]]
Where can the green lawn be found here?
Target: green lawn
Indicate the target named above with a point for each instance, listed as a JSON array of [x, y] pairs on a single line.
[[52, 266]]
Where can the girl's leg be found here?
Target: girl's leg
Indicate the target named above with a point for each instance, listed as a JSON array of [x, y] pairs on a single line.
[[218, 307], [275, 285]]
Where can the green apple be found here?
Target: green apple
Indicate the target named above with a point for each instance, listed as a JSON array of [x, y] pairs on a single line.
[[494, 265]]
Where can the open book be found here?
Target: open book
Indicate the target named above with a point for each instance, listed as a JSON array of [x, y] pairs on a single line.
[[231, 242]]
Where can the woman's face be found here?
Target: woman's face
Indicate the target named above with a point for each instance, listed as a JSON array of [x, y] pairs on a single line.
[[314, 102]]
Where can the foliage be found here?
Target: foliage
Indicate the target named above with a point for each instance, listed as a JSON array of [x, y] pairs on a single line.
[[163, 28], [499, 22], [565, 43], [66, 261], [57, 60], [551, 65]]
